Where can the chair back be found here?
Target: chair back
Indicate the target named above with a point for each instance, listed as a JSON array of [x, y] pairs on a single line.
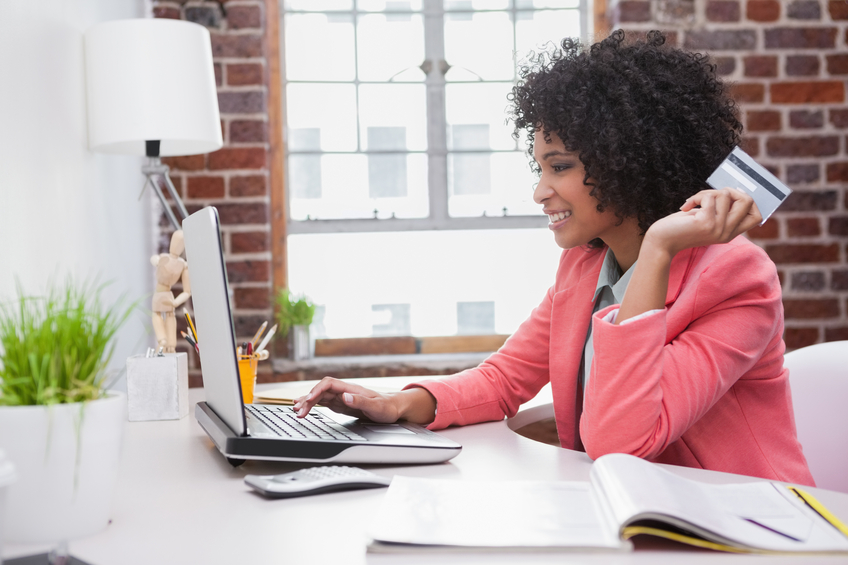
[[818, 376]]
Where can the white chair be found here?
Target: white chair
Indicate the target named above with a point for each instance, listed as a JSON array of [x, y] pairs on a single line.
[[818, 376]]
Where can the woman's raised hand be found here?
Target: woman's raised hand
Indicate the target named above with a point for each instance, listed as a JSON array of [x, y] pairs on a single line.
[[708, 217], [415, 404]]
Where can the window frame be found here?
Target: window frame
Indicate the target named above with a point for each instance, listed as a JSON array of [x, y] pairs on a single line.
[[593, 12]]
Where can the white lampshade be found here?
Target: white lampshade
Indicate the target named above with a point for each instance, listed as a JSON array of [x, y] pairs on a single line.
[[151, 79]]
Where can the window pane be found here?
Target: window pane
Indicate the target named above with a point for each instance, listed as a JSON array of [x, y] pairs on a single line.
[[401, 107], [405, 35], [431, 272], [476, 4], [328, 108], [319, 5], [475, 318], [389, 5], [478, 105], [534, 29], [486, 183], [479, 46], [319, 47], [547, 3], [344, 186]]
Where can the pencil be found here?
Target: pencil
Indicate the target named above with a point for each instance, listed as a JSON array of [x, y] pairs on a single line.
[[261, 329], [191, 325]]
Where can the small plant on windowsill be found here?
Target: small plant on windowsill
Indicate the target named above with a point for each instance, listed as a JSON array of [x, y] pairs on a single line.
[[294, 316]]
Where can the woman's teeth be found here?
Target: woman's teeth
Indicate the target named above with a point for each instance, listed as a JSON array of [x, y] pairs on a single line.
[[558, 217]]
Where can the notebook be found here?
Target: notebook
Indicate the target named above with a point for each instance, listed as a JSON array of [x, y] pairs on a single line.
[[260, 432]]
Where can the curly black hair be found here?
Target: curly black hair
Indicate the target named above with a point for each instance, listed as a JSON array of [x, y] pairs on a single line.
[[649, 122]]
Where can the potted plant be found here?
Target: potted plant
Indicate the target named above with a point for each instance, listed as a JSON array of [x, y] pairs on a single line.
[[59, 425], [294, 316]]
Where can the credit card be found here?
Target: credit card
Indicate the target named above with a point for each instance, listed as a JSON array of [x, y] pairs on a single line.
[[742, 172]]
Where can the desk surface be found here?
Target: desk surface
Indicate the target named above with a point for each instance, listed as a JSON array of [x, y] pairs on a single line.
[[179, 501]]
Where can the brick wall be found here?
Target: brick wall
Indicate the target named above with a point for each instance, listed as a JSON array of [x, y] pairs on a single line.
[[788, 63], [237, 178]]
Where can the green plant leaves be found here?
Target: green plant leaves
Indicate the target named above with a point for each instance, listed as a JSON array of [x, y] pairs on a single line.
[[55, 348], [293, 311]]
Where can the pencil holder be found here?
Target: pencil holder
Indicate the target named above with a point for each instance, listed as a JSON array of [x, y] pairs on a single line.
[[157, 387], [247, 374]]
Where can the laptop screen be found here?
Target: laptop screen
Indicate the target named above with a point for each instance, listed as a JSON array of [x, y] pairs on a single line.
[[213, 317]]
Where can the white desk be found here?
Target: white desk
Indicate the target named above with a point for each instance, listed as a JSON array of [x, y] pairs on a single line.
[[178, 501]]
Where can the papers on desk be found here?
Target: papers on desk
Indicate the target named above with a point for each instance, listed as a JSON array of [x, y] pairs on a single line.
[[627, 496]]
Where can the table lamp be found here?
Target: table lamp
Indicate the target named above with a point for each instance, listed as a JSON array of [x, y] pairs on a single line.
[[151, 91]]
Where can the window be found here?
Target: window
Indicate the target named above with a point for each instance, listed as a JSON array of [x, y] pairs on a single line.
[[410, 204]]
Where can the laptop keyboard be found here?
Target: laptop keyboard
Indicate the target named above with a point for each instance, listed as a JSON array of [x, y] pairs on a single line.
[[281, 421]]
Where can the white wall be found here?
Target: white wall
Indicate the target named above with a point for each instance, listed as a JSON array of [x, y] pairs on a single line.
[[63, 209]]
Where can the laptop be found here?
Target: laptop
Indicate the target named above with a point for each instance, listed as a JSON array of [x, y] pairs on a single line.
[[273, 432]]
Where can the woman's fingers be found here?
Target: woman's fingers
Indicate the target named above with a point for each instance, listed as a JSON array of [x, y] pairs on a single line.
[[348, 398]]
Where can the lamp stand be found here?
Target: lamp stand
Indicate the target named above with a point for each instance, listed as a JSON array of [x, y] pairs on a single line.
[[154, 168]]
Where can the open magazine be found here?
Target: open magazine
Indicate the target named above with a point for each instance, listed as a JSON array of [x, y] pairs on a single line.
[[625, 497]]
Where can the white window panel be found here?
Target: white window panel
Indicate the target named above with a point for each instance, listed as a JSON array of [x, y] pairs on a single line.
[[331, 108], [318, 5], [320, 47], [432, 271], [401, 60], [394, 106], [479, 47]]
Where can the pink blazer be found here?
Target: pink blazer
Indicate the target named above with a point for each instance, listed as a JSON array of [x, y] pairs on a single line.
[[700, 384]]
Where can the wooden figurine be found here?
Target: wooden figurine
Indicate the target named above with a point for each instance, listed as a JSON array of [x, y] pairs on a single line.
[[170, 268]]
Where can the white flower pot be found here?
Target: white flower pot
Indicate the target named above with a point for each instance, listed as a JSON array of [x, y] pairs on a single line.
[[303, 346], [66, 457]]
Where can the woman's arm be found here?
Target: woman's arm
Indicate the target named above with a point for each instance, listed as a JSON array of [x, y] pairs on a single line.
[[709, 217]]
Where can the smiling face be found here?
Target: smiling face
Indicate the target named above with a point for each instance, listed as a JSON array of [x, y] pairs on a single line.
[[572, 211]]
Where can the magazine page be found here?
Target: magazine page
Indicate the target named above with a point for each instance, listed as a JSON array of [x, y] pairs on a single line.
[[758, 515], [532, 515]]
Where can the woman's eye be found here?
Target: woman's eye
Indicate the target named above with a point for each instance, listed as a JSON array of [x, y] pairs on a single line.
[[560, 168]]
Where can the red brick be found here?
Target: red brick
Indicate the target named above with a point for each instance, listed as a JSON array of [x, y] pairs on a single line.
[[808, 281], [804, 10], [242, 102], [803, 227], [810, 308], [837, 64], [762, 10], [839, 280], [245, 74], [750, 145], [802, 173], [807, 92], [207, 16], [247, 324], [237, 158], [628, 11], [837, 172], [760, 66], [811, 146], [838, 225], [796, 338], [186, 163], [810, 201], [247, 213], [800, 38], [725, 65], [248, 271], [763, 120], [218, 74], [723, 11], [806, 119], [244, 17], [205, 187], [803, 253], [715, 40], [838, 9], [836, 334], [244, 131], [839, 117], [769, 230], [166, 13], [748, 92], [249, 242], [253, 185], [802, 65], [252, 298], [241, 45]]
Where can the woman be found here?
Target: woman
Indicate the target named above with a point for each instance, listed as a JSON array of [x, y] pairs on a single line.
[[686, 366]]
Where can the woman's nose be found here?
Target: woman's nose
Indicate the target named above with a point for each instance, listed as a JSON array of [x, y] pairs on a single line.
[[542, 192]]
